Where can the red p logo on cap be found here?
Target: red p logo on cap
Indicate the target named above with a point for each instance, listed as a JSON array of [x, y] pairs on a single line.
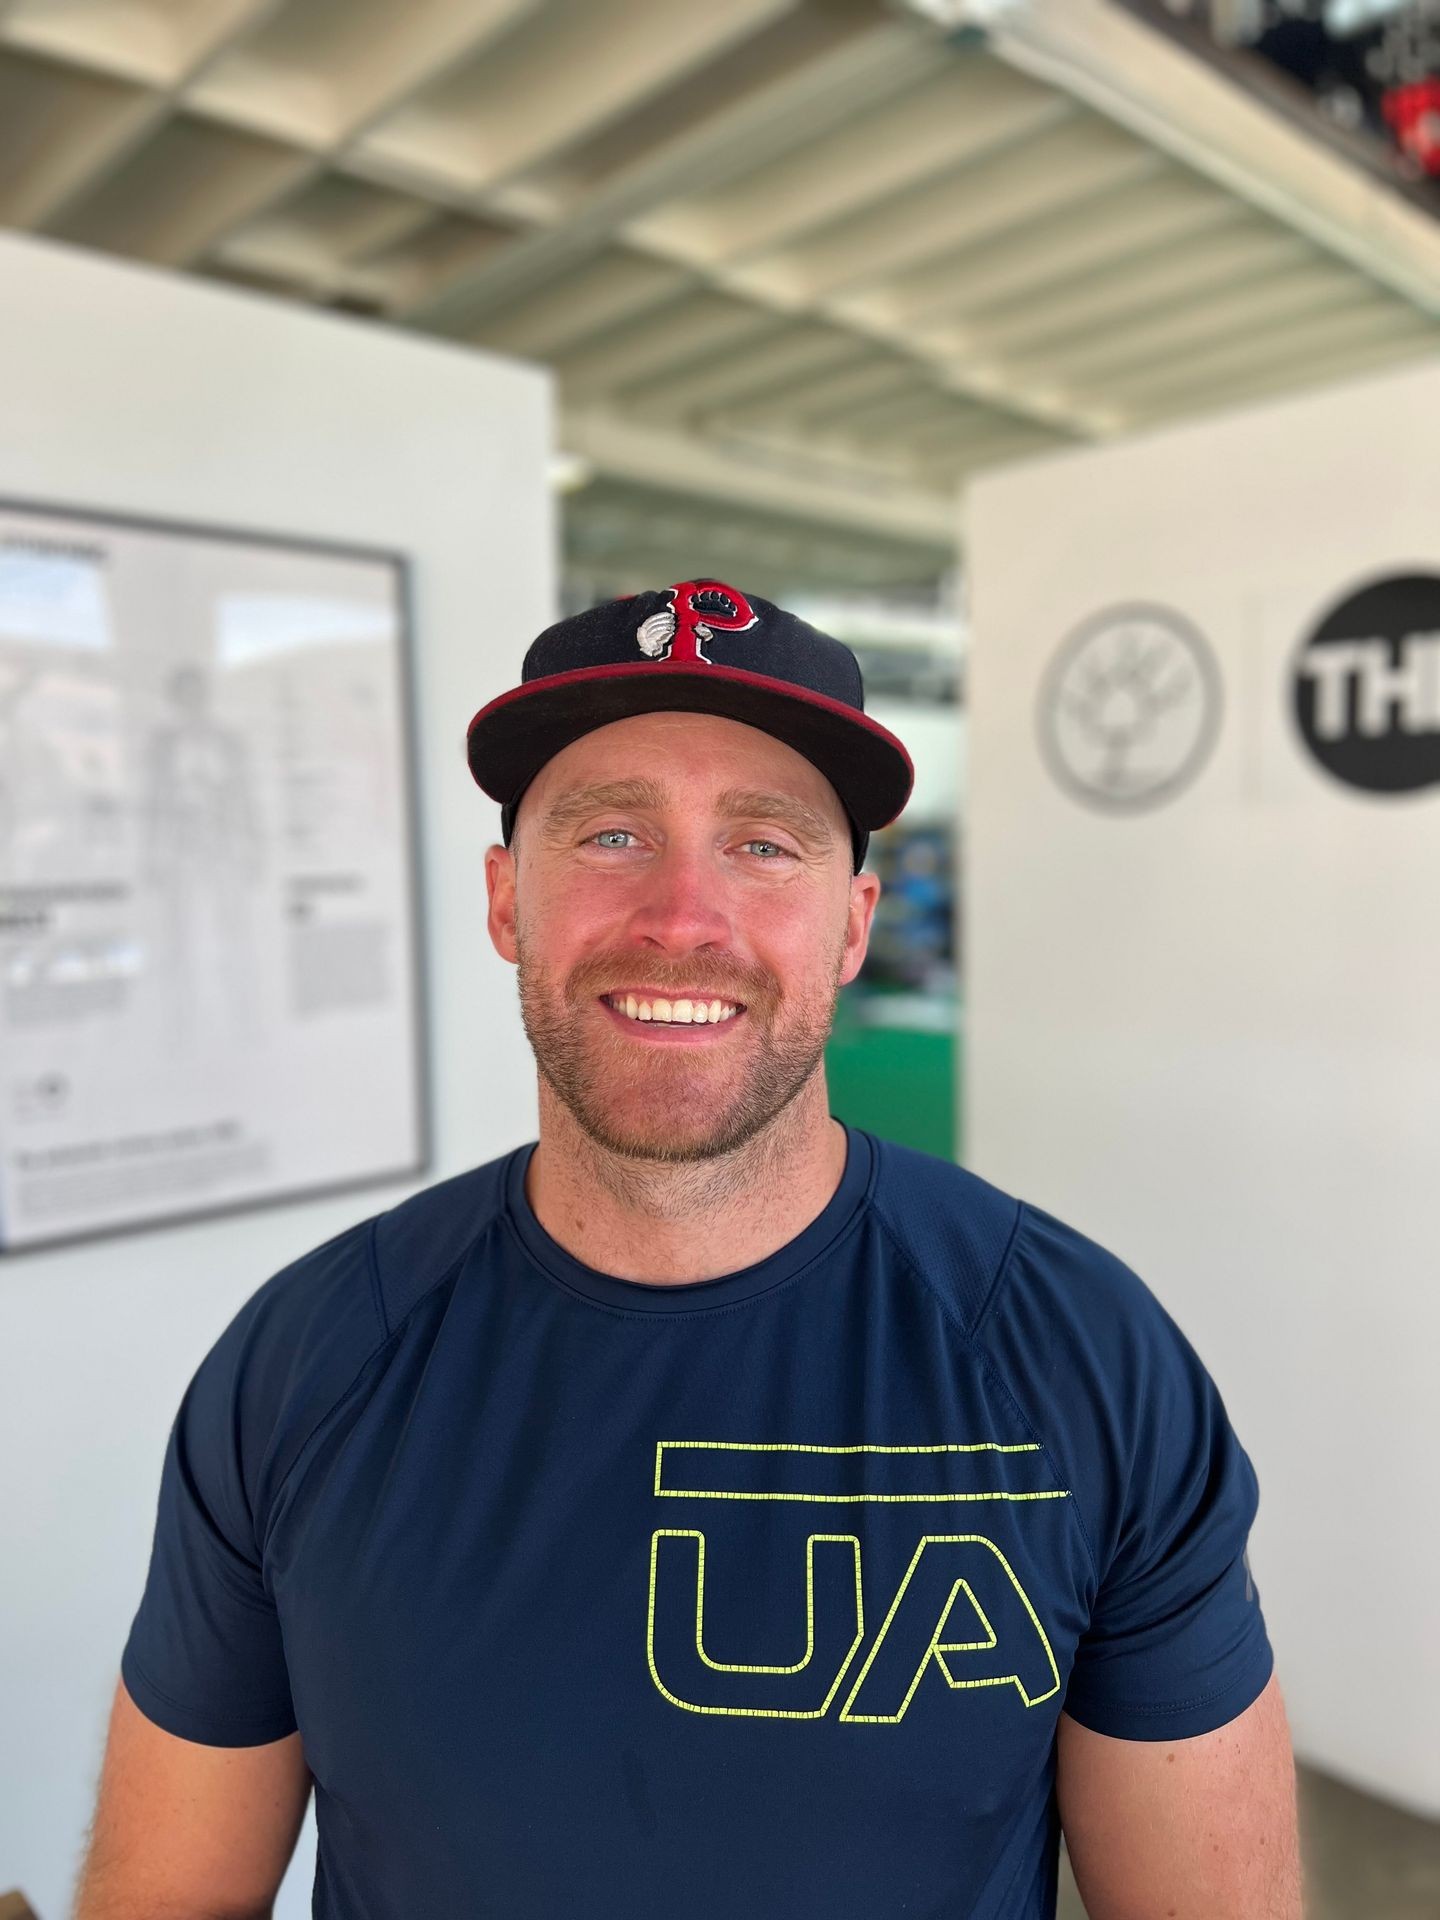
[[698, 608]]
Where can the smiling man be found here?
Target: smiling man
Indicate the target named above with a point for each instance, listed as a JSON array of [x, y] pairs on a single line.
[[708, 1508], [679, 1017]]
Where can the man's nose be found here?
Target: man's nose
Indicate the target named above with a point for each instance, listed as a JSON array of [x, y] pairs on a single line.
[[683, 904]]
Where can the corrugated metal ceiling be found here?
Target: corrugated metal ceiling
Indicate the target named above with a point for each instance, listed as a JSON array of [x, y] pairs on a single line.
[[810, 259]]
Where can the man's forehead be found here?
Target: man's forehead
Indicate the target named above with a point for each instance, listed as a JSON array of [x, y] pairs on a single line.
[[689, 751]]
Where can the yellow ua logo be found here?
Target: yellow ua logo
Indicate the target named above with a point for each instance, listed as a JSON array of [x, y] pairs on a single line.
[[959, 1604]]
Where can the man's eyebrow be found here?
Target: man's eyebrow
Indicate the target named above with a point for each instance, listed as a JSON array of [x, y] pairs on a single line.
[[735, 802], [580, 801], [801, 818]]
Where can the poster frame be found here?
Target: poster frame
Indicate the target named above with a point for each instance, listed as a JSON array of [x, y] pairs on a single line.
[[411, 851]]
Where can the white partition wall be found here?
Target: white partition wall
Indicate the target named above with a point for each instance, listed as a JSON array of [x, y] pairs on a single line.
[[1204, 942], [139, 393]]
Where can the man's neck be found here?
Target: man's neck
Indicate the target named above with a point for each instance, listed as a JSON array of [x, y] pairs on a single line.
[[668, 1224]]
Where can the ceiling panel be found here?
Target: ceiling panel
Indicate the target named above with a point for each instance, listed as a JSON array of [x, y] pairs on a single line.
[[816, 260]]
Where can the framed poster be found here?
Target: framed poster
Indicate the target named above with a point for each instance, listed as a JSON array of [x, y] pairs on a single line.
[[210, 970]]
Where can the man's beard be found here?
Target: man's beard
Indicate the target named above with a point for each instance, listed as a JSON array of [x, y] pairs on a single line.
[[655, 1101]]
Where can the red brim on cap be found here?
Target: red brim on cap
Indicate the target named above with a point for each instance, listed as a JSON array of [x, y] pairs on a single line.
[[511, 739]]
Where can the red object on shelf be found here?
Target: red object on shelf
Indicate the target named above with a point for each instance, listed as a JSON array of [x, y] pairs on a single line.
[[1413, 114]]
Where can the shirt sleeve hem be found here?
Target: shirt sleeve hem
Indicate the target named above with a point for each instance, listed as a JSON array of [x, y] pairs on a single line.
[[1184, 1719], [204, 1728]]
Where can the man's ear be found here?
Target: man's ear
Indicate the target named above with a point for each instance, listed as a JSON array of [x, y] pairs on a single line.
[[500, 885], [864, 892]]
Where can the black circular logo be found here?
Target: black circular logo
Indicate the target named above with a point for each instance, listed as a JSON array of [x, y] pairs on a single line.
[[1367, 686], [1130, 708]]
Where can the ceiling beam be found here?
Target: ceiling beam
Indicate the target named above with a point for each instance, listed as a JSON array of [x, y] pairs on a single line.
[[1153, 278], [1069, 160], [581, 69], [914, 135], [754, 371], [685, 332], [1298, 372], [325, 96], [80, 151], [149, 207], [1255, 307], [322, 85], [611, 291], [155, 45], [1369, 320], [773, 117], [1143, 80], [761, 479]]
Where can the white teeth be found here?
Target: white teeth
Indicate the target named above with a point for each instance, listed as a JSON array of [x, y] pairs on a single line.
[[673, 1012]]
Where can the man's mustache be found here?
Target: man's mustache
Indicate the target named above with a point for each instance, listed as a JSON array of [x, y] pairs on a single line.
[[612, 973]]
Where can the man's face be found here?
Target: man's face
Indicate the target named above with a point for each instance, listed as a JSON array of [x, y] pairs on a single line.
[[671, 858]]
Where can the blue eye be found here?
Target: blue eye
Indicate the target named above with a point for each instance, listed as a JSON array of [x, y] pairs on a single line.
[[612, 839]]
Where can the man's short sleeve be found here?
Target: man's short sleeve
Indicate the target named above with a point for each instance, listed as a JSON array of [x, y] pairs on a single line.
[[1175, 1644], [205, 1657]]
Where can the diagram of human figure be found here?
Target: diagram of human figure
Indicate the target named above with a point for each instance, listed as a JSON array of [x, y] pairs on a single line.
[[13, 690], [202, 852]]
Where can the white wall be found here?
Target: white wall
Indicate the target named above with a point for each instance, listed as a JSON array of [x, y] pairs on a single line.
[[936, 739], [1208, 1033], [131, 390]]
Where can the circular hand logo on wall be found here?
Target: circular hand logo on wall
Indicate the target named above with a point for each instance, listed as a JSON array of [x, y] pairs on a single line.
[[1130, 708], [1367, 686]]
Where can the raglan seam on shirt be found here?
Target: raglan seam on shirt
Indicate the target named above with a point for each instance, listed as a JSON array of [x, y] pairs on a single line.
[[946, 1304], [992, 1369], [1002, 1269], [377, 1290], [991, 1366], [448, 1274], [1001, 1266], [1061, 1471]]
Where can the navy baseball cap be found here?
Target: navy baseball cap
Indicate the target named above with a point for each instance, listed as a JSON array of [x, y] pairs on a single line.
[[699, 646]]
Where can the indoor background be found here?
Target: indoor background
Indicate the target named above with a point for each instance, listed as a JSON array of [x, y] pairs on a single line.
[[1030, 347]]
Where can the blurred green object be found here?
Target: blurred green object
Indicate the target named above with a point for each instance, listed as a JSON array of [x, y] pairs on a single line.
[[895, 1080]]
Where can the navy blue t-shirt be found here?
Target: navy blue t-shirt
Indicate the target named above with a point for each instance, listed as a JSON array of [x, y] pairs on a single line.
[[757, 1595]]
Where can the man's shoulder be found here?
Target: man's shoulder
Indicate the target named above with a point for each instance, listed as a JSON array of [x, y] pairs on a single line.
[[305, 1335], [423, 1239], [1081, 1341], [382, 1266], [953, 1227], [980, 1243]]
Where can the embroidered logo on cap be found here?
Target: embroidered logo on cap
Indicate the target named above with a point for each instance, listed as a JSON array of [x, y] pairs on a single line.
[[698, 608]]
